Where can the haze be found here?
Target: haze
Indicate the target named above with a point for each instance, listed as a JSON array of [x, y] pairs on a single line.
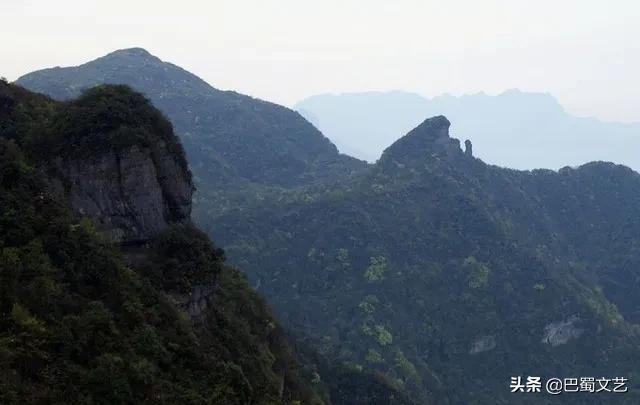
[[586, 53]]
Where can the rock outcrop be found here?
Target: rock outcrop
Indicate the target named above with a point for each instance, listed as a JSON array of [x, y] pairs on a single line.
[[483, 344], [559, 333], [132, 194], [468, 148], [429, 139], [197, 302]]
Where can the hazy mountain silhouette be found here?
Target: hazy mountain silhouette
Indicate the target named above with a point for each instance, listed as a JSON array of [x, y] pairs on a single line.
[[513, 129]]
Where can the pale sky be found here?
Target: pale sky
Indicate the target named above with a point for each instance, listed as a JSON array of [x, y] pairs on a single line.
[[584, 52]]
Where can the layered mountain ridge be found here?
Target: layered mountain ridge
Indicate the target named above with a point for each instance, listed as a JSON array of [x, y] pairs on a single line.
[[226, 134], [450, 275], [442, 274], [515, 129], [109, 293]]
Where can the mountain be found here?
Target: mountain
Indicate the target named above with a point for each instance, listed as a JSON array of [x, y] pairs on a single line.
[[514, 129], [427, 277], [450, 276], [237, 146], [108, 293], [240, 150]]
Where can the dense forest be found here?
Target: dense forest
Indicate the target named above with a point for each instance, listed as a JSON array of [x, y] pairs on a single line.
[[428, 276], [85, 321], [449, 275]]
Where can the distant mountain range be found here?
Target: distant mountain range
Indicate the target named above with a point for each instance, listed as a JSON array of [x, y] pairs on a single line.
[[514, 129]]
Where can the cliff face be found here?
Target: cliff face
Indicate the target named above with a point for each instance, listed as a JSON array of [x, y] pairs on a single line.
[[429, 139], [132, 194], [110, 153]]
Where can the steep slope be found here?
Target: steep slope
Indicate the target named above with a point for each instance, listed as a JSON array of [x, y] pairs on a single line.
[[85, 321], [233, 142], [513, 129], [451, 276]]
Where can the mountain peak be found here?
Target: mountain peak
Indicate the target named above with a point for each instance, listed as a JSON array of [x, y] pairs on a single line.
[[251, 139], [135, 51], [429, 138], [435, 128], [132, 54]]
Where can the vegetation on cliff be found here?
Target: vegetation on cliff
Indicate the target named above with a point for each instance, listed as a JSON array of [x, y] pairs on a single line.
[[82, 321], [439, 274]]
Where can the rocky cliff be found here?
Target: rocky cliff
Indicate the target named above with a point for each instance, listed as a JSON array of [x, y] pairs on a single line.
[[431, 138], [113, 156], [132, 194]]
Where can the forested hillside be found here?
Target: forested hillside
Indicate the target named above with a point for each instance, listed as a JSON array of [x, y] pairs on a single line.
[[450, 276], [429, 272], [83, 320]]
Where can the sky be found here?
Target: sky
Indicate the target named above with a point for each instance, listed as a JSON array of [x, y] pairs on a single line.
[[584, 52]]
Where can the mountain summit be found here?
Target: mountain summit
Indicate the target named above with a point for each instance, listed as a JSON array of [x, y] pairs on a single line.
[[431, 137], [229, 137]]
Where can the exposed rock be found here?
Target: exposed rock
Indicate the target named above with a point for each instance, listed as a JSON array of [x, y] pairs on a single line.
[[132, 194], [435, 128], [559, 333], [197, 302], [468, 148], [431, 138], [483, 344]]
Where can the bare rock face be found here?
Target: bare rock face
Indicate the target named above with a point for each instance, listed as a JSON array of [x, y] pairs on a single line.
[[132, 194], [559, 333], [427, 140], [197, 302], [468, 148], [483, 344]]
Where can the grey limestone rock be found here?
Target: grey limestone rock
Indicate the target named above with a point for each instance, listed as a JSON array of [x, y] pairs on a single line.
[[468, 148], [429, 139], [560, 332], [483, 344], [132, 194]]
